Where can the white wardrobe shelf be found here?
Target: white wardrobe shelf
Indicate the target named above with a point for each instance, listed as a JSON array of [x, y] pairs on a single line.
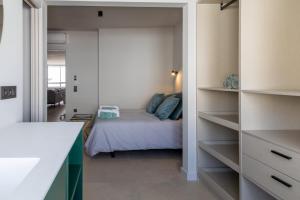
[[295, 93], [224, 181], [218, 89], [289, 139], [229, 120], [225, 151]]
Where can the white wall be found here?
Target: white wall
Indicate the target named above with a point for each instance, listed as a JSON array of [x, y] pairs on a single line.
[[270, 44], [153, 57], [179, 82], [56, 57], [11, 61], [1, 18], [135, 63], [177, 60], [82, 60], [217, 42], [178, 63]]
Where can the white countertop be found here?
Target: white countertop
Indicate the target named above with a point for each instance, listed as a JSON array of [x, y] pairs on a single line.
[[50, 142]]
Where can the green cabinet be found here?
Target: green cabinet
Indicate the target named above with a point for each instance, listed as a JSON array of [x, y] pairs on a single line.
[[68, 182]]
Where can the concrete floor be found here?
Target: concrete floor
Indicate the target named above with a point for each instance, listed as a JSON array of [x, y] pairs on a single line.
[[54, 113], [140, 175]]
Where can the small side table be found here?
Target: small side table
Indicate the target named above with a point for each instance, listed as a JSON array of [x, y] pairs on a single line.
[[88, 120]]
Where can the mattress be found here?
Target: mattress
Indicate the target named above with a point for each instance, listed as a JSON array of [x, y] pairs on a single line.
[[134, 130]]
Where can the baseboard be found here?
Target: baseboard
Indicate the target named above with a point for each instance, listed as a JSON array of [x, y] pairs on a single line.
[[190, 176]]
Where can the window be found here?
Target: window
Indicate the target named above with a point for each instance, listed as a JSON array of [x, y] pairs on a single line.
[[56, 76]]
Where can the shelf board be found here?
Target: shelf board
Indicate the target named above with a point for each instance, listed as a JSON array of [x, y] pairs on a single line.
[[288, 139], [223, 181], [295, 93], [218, 89], [225, 151], [74, 174], [229, 120]]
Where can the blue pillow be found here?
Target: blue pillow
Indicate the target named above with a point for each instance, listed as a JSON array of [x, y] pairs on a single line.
[[154, 103], [167, 107], [177, 112]]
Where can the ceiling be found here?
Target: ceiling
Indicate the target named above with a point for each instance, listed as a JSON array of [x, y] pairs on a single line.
[[86, 18]]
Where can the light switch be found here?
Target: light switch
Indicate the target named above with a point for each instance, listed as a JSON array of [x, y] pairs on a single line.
[[8, 92]]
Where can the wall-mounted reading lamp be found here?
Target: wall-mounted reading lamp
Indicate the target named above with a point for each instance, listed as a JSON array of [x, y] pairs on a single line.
[[174, 72]]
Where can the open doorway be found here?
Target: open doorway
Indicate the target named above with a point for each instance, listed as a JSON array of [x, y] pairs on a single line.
[[122, 57], [56, 88], [188, 66]]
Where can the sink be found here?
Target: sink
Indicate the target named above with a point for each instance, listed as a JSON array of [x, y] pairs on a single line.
[[13, 171]]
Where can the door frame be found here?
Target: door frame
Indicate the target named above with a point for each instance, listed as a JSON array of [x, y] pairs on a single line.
[[37, 59], [189, 162]]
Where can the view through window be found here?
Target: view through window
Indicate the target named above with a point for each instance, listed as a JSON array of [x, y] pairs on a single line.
[[56, 76]]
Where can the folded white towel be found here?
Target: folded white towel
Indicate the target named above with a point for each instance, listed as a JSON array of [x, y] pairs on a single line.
[[109, 109]]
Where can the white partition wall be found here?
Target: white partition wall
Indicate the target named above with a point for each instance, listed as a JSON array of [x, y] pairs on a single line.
[[138, 59], [11, 61], [248, 138]]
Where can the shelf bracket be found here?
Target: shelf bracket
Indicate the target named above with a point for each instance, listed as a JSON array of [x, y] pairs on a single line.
[[225, 5]]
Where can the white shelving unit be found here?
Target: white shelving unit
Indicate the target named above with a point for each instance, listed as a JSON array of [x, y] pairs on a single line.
[[295, 93], [289, 139], [218, 89], [229, 120], [218, 107], [270, 89], [223, 181], [225, 151], [259, 41]]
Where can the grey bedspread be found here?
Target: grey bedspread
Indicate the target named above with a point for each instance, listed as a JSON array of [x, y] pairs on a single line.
[[134, 130]]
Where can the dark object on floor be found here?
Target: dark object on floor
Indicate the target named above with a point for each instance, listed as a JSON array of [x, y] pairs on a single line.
[[112, 154], [62, 117]]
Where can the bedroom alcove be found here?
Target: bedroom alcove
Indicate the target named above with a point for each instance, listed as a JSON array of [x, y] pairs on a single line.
[[122, 57], [135, 49]]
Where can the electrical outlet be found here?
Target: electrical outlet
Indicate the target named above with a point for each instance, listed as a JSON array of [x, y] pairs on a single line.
[[8, 92], [75, 88], [75, 110]]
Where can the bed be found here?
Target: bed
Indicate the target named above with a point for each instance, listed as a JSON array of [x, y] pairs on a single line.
[[134, 130]]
